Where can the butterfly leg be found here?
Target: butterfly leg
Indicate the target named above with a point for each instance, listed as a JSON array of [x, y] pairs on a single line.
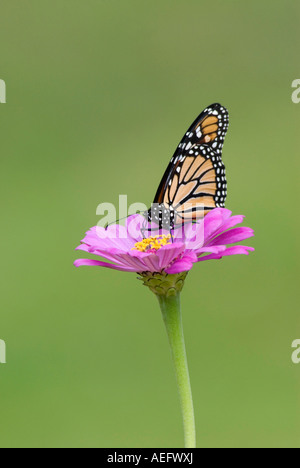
[[144, 228]]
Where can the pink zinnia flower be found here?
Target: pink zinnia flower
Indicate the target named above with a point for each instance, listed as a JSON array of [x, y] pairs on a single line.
[[125, 249]]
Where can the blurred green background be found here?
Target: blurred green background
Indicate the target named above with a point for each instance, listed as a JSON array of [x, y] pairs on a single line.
[[99, 94]]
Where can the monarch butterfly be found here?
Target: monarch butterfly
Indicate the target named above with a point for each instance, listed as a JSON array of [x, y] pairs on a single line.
[[194, 182]]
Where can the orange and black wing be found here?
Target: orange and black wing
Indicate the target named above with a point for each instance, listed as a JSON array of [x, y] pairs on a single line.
[[195, 180]]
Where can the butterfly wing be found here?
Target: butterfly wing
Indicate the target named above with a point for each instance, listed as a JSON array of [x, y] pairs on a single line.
[[195, 180]]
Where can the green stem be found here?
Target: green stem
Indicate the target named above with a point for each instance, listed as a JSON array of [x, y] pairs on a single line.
[[170, 307]]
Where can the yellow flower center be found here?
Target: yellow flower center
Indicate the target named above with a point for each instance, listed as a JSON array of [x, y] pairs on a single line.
[[152, 243]]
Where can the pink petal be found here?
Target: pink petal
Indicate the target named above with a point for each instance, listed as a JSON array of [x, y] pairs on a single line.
[[234, 250], [134, 225], [231, 222], [87, 262], [83, 247], [140, 263], [212, 249], [234, 235], [214, 220], [183, 264], [151, 263], [168, 253], [113, 237], [194, 235], [210, 257], [112, 255], [238, 250]]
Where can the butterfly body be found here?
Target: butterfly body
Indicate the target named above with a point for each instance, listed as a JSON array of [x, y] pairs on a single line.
[[194, 182]]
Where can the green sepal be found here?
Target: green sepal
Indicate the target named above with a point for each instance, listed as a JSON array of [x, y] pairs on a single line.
[[163, 284]]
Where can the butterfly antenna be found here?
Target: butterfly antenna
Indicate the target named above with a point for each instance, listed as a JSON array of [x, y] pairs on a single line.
[[114, 222], [117, 220]]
